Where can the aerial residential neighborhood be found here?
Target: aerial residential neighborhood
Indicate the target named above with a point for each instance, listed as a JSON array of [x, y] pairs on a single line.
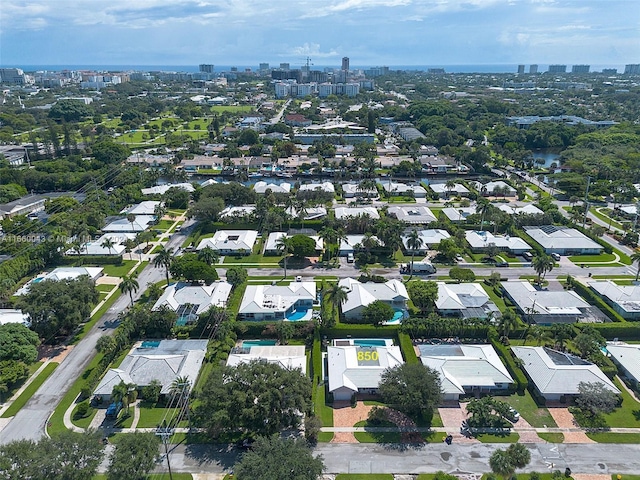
[[350, 273]]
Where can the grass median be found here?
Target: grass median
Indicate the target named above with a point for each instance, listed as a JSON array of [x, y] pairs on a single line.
[[30, 390]]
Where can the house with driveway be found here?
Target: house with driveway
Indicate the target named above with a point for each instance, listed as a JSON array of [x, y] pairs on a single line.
[[430, 239], [556, 375], [563, 240], [355, 366], [291, 302], [290, 357], [466, 369], [627, 359], [189, 301], [359, 295], [231, 242], [624, 299], [466, 300], [480, 241]]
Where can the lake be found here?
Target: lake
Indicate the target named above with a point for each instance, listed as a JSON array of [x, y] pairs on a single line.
[[549, 157]]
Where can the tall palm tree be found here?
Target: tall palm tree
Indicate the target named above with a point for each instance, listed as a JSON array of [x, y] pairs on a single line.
[[635, 258], [129, 285], [450, 185], [336, 295], [341, 236], [164, 258], [131, 218], [483, 208], [542, 264], [159, 211], [180, 388], [119, 392], [108, 244], [414, 242], [507, 322], [285, 246], [539, 334], [328, 237], [208, 255]]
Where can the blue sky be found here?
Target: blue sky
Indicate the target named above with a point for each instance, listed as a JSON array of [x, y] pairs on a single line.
[[370, 32]]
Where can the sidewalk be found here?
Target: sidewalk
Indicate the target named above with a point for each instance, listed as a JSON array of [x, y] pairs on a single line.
[[28, 382]]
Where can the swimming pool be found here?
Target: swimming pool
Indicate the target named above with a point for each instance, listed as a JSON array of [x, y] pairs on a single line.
[[37, 280], [298, 315], [369, 343], [397, 316], [150, 344], [254, 343]]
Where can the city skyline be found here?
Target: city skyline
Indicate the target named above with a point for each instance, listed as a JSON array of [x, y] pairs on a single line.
[[369, 32]]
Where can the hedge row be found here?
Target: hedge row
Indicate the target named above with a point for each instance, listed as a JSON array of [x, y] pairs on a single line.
[[249, 329], [408, 350], [342, 330], [316, 359], [607, 248], [78, 260], [611, 331], [507, 357], [592, 298]]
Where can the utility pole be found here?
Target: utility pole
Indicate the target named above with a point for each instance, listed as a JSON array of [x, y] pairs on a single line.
[[165, 432], [586, 202]]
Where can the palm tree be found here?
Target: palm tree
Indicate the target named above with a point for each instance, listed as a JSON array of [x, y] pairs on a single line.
[[635, 258], [414, 242], [119, 392], [131, 218], [180, 388], [336, 295], [129, 285], [131, 396], [483, 208], [507, 323], [539, 334], [328, 236], [164, 258], [450, 185], [542, 264], [159, 211], [208, 255], [341, 236], [108, 244], [501, 464], [285, 246]]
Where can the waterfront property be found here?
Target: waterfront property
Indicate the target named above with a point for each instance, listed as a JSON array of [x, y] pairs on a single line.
[[457, 190], [466, 369], [556, 375], [162, 189], [292, 302], [261, 187]]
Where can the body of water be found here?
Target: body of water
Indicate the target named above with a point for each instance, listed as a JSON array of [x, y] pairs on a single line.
[[548, 157]]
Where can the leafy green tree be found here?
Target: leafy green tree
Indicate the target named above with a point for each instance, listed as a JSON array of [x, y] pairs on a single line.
[[413, 389], [129, 285], [462, 274], [257, 397], [635, 258], [69, 110], [423, 294], [135, 456], [507, 323], [208, 255], [302, 246], [595, 398], [207, 209], [237, 275], [19, 343], [151, 392], [501, 464], [377, 313], [56, 308], [106, 344], [110, 152], [275, 457], [192, 269], [284, 331], [12, 373], [448, 250]]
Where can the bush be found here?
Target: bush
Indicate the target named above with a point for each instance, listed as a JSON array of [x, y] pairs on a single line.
[[82, 409], [79, 260], [516, 372]]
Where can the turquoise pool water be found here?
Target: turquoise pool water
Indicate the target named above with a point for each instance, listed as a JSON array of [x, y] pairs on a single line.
[[297, 315], [37, 280], [252, 343], [369, 343], [150, 344], [182, 321], [397, 316]]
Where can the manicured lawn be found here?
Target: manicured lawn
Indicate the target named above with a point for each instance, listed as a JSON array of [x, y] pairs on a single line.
[[491, 438], [322, 410], [151, 417], [628, 414], [164, 225], [119, 270], [552, 437], [31, 389], [325, 437], [605, 218], [364, 476], [603, 257], [607, 437], [85, 421], [494, 297], [378, 437], [105, 288], [253, 258], [161, 476], [527, 407]]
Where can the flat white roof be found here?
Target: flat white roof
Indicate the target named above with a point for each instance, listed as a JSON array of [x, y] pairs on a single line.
[[286, 356], [262, 187], [442, 188], [140, 224], [162, 189], [234, 240], [544, 302], [412, 213], [520, 210], [9, 315], [628, 356], [482, 239], [458, 214], [552, 236], [343, 212], [429, 237], [627, 297], [275, 298], [274, 237]]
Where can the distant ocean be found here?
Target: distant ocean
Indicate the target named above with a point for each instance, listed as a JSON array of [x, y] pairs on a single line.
[[503, 68]]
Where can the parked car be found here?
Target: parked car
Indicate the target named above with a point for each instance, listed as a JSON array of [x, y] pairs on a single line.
[[527, 256], [513, 416], [555, 256], [113, 410], [350, 258]]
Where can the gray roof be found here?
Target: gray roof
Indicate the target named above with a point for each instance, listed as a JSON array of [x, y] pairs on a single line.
[[544, 302], [559, 373], [553, 236], [628, 356], [626, 297]]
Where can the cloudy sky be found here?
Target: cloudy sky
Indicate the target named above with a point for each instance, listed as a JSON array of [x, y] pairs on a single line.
[[370, 32]]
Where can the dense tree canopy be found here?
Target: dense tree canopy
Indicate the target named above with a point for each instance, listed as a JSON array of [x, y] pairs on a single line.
[[376, 313], [258, 398], [134, 457], [18, 343], [189, 267]]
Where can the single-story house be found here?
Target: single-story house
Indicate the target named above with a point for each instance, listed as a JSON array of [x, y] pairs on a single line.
[[628, 210], [624, 299], [344, 212], [520, 210], [394, 188], [459, 214], [162, 189], [467, 300], [10, 315], [430, 239], [230, 213], [310, 213], [350, 242], [323, 187], [627, 358], [189, 301], [458, 190], [286, 356], [497, 188], [547, 307], [139, 224], [278, 302], [231, 242], [481, 240], [466, 369], [563, 240], [148, 207], [163, 361], [359, 295], [357, 366], [271, 246], [97, 248], [63, 273], [261, 187], [414, 214], [353, 190], [556, 375]]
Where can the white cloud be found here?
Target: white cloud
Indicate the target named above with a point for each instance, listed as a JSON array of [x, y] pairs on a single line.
[[310, 50]]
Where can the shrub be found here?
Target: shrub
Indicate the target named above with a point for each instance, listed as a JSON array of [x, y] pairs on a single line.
[[82, 409]]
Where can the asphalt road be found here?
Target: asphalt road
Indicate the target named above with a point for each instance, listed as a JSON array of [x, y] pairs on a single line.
[[430, 458], [29, 423]]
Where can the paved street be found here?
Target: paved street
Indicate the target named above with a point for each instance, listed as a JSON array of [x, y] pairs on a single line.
[[30, 421]]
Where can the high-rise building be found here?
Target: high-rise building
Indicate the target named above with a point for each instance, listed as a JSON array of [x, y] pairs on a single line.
[[264, 67], [285, 66], [610, 71], [520, 68], [632, 69], [345, 63], [533, 68], [12, 75], [206, 68], [557, 69], [580, 68]]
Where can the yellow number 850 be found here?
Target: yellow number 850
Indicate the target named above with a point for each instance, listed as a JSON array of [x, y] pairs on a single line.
[[367, 356]]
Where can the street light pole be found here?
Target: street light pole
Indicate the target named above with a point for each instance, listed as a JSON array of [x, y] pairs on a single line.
[[586, 202]]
